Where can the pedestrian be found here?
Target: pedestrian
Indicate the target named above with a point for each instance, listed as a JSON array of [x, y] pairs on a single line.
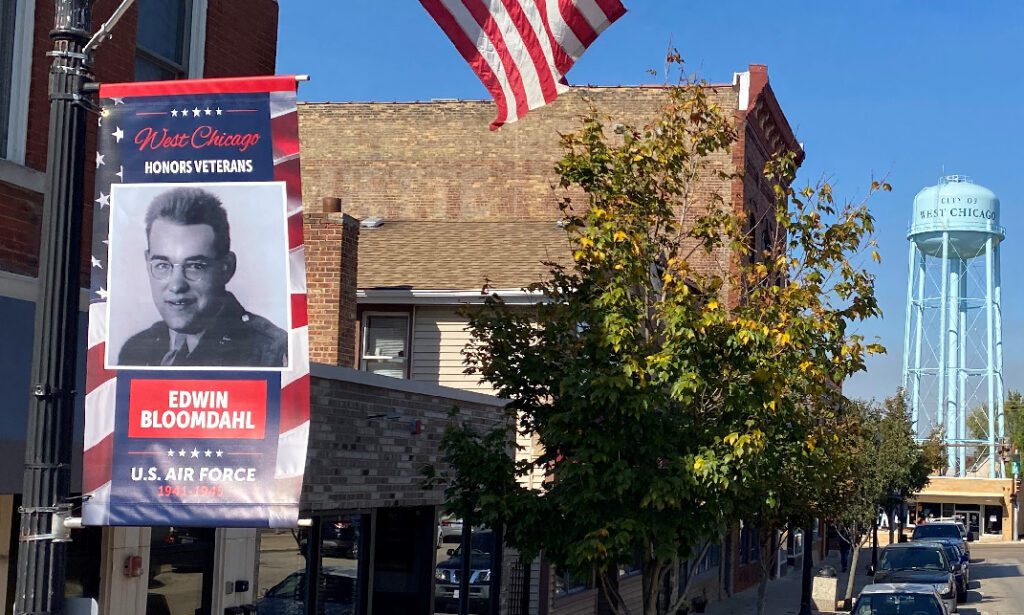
[[844, 553]]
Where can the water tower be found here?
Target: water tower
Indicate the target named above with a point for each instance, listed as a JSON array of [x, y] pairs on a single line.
[[952, 351]]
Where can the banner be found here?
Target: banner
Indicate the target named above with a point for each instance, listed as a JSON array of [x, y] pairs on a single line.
[[197, 400]]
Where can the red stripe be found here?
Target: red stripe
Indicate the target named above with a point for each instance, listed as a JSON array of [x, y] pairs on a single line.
[[467, 49], [482, 15], [226, 85], [562, 60], [284, 130], [612, 9], [290, 172], [95, 373], [294, 230], [294, 404], [300, 315], [577, 22], [96, 464], [532, 43]]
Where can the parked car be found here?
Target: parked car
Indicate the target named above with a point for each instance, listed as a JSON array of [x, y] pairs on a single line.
[[446, 576], [945, 530], [337, 594], [449, 530], [899, 599], [918, 562], [960, 565], [339, 538]]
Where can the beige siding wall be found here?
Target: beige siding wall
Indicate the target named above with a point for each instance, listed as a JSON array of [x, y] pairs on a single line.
[[439, 335]]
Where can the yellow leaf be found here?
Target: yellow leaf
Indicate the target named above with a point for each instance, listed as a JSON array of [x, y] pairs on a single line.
[[875, 256], [712, 305], [619, 236], [805, 365], [586, 242]]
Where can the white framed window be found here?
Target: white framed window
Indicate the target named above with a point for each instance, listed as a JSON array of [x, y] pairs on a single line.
[[17, 24], [170, 39], [385, 344]]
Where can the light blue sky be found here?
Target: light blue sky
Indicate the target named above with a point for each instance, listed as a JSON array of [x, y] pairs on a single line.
[[897, 88]]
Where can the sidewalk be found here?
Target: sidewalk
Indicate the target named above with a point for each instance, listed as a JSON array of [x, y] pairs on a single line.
[[784, 593]]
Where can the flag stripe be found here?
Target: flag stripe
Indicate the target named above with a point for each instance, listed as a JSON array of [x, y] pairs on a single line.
[[470, 53], [562, 60], [577, 22], [488, 29], [521, 49], [531, 44]]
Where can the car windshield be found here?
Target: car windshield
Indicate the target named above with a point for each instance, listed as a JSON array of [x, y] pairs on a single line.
[[898, 604], [924, 558], [936, 530], [482, 543]]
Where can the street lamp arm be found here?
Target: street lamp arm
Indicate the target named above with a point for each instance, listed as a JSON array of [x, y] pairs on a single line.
[[108, 26]]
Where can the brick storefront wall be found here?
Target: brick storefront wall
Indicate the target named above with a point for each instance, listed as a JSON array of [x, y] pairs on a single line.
[[358, 462], [241, 40]]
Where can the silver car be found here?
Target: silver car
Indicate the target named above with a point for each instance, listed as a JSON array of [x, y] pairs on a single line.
[[899, 599]]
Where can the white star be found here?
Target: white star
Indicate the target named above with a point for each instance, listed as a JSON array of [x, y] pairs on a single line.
[[220, 453], [182, 453], [207, 111], [195, 112], [99, 159], [170, 453], [184, 113], [174, 113], [96, 262], [118, 101], [104, 200], [218, 111], [195, 453], [118, 134], [120, 172], [208, 452], [102, 292]]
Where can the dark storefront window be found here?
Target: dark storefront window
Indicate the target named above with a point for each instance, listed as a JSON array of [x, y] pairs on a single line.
[[180, 571], [282, 587]]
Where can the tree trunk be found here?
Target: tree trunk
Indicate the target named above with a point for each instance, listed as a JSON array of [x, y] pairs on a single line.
[[806, 580], [762, 594], [848, 597]]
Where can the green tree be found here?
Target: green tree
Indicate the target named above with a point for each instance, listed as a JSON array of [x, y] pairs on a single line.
[[666, 397]]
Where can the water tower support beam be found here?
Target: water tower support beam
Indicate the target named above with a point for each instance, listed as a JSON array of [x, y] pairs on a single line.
[[940, 413], [961, 374], [990, 375], [918, 332]]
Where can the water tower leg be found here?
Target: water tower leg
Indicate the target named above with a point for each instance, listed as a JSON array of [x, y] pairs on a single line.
[[918, 332], [990, 369], [940, 416]]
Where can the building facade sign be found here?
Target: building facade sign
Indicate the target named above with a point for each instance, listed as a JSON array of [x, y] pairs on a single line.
[[197, 394]]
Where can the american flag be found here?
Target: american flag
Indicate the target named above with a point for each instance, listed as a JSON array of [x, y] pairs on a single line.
[[521, 49]]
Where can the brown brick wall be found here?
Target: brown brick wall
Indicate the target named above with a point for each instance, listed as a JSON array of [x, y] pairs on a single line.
[[241, 40], [438, 161], [359, 462], [332, 244]]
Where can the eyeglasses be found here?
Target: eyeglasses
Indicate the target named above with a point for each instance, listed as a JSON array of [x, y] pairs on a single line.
[[194, 271]]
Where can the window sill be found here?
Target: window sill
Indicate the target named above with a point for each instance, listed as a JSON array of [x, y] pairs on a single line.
[[22, 176]]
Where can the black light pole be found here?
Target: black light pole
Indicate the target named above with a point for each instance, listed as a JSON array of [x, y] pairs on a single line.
[[41, 575]]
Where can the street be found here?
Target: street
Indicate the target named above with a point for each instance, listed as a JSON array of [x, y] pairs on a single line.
[[997, 580]]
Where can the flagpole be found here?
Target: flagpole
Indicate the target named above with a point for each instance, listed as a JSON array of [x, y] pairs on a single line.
[[46, 487]]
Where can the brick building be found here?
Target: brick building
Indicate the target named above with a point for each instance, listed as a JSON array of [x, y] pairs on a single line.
[[448, 206]]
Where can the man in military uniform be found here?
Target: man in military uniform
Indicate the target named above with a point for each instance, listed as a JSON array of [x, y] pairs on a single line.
[[190, 262]]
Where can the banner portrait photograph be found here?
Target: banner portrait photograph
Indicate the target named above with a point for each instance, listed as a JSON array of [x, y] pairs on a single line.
[[198, 276]]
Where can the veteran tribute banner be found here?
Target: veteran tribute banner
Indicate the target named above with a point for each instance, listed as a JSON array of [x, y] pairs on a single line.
[[197, 400]]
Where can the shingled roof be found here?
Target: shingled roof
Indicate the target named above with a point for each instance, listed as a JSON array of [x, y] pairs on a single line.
[[451, 255]]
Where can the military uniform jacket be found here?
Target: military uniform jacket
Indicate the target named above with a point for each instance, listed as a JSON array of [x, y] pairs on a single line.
[[237, 338]]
